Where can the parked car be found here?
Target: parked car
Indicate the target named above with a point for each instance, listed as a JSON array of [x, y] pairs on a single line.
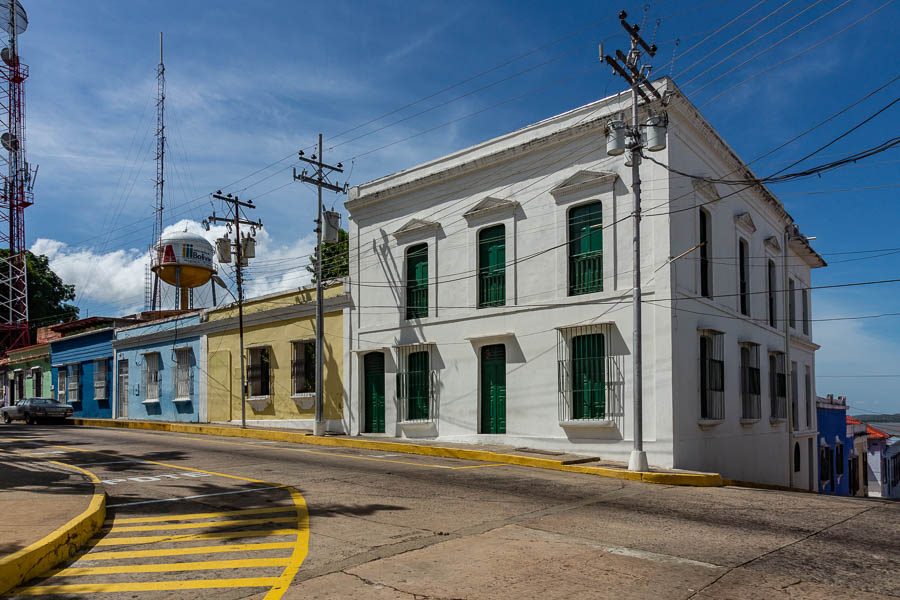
[[31, 410]]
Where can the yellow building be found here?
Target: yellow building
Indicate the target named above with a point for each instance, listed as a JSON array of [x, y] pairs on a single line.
[[279, 346]]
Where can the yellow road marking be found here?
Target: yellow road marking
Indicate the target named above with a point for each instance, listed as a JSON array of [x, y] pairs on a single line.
[[301, 544], [167, 567], [480, 466], [219, 535], [170, 526], [125, 554], [149, 586], [187, 517]]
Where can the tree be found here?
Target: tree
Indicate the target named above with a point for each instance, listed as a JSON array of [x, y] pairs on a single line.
[[335, 259], [48, 297]]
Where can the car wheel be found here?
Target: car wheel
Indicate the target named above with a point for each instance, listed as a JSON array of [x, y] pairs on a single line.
[[6, 418], [28, 419]]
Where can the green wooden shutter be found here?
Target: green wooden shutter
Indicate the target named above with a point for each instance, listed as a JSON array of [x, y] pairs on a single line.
[[493, 389], [374, 392], [588, 377], [417, 282], [586, 249], [419, 385], [492, 266]]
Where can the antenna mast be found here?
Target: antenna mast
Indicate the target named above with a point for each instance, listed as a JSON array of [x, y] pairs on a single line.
[[17, 187], [155, 300]]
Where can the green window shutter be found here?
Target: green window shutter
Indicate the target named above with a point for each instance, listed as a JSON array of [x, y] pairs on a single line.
[[417, 282], [588, 377], [586, 249], [374, 392], [419, 385], [492, 266]]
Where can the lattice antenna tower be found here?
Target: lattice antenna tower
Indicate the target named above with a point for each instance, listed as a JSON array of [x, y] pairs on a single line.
[[154, 293], [18, 183]]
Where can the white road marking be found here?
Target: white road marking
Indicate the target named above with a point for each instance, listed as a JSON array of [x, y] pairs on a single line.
[[274, 487], [149, 478]]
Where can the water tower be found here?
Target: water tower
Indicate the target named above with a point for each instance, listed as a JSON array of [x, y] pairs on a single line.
[[183, 260]]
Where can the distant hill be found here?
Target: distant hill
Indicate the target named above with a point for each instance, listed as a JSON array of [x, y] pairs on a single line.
[[885, 418]]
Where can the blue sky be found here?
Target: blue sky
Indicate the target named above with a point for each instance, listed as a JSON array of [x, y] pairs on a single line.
[[251, 82]]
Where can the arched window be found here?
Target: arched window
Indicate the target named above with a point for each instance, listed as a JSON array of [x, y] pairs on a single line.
[[705, 254], [770, 291], [417, 281], [586, 249], [744, 268]]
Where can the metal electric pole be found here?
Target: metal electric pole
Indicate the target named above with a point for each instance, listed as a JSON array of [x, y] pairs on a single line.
[[235, 219], [319, 178], [630, 68]]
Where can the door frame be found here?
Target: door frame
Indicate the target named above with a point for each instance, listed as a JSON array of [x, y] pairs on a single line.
[[480, 420], [365, 412]]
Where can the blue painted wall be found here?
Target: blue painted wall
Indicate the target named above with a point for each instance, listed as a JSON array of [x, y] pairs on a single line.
[[166, 409], [833, 432], [81, 351]]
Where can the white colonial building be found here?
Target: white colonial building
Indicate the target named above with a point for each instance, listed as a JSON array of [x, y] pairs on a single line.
[[492, 301]]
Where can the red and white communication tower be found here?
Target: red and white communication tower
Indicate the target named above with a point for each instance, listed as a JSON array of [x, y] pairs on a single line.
[[18, 182]]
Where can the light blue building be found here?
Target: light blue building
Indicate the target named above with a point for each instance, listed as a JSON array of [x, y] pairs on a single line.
[[81, 362], [161, 370]]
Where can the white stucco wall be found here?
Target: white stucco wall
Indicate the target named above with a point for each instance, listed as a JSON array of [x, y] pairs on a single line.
[[546, 169]]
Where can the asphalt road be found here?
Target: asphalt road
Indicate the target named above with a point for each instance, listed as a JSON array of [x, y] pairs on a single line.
[[206, 517]]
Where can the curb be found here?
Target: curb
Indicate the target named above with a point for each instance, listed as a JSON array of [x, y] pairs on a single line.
[[41, 556], [690, 479]]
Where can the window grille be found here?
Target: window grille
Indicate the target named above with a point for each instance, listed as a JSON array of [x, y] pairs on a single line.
[[705, 254], [492, 266], [122, 390], [303, 368], [590, 377], [750, 381], [74, 383], [712, 374], [586, 249], [839, 459], [744, 268], [259, 374], [416, 383], [777, 385], [151, 376], [417, 282], [61, 384], [183, 374], [808, 397], [100, 385]]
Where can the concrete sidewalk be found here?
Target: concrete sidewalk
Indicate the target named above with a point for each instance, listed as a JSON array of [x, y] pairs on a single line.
[[50, 511], [496, 453]]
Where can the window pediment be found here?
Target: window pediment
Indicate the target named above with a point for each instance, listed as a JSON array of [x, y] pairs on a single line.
[[745, 222], [706, 189], [772, 244], [415, 227], [583, 180], [491, 205]]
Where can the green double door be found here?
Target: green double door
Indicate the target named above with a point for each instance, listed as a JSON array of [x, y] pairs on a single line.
[[493, 389], [373, 373]]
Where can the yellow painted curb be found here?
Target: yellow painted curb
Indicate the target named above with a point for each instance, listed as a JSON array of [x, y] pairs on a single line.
[[58, 546], [692, 479]]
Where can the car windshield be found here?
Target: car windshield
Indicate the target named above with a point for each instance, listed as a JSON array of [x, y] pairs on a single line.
[[24, 402]]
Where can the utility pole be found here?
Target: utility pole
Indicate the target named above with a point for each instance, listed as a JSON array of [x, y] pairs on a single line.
[[153, 293], [636, 75], [319, 178], [235, 219]]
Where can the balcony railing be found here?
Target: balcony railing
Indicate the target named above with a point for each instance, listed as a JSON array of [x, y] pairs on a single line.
[[416, 301], [491, 289], [586, 273]]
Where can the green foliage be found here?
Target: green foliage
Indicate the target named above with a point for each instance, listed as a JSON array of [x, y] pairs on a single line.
[[48, 297], [335, 259]]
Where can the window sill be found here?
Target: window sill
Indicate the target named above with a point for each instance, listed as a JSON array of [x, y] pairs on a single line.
[[150, 401], [185, 399], [709, 423], [259, 403], [749, 421], [588, 424], [417, 423], [304, 401], [776, 421]]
